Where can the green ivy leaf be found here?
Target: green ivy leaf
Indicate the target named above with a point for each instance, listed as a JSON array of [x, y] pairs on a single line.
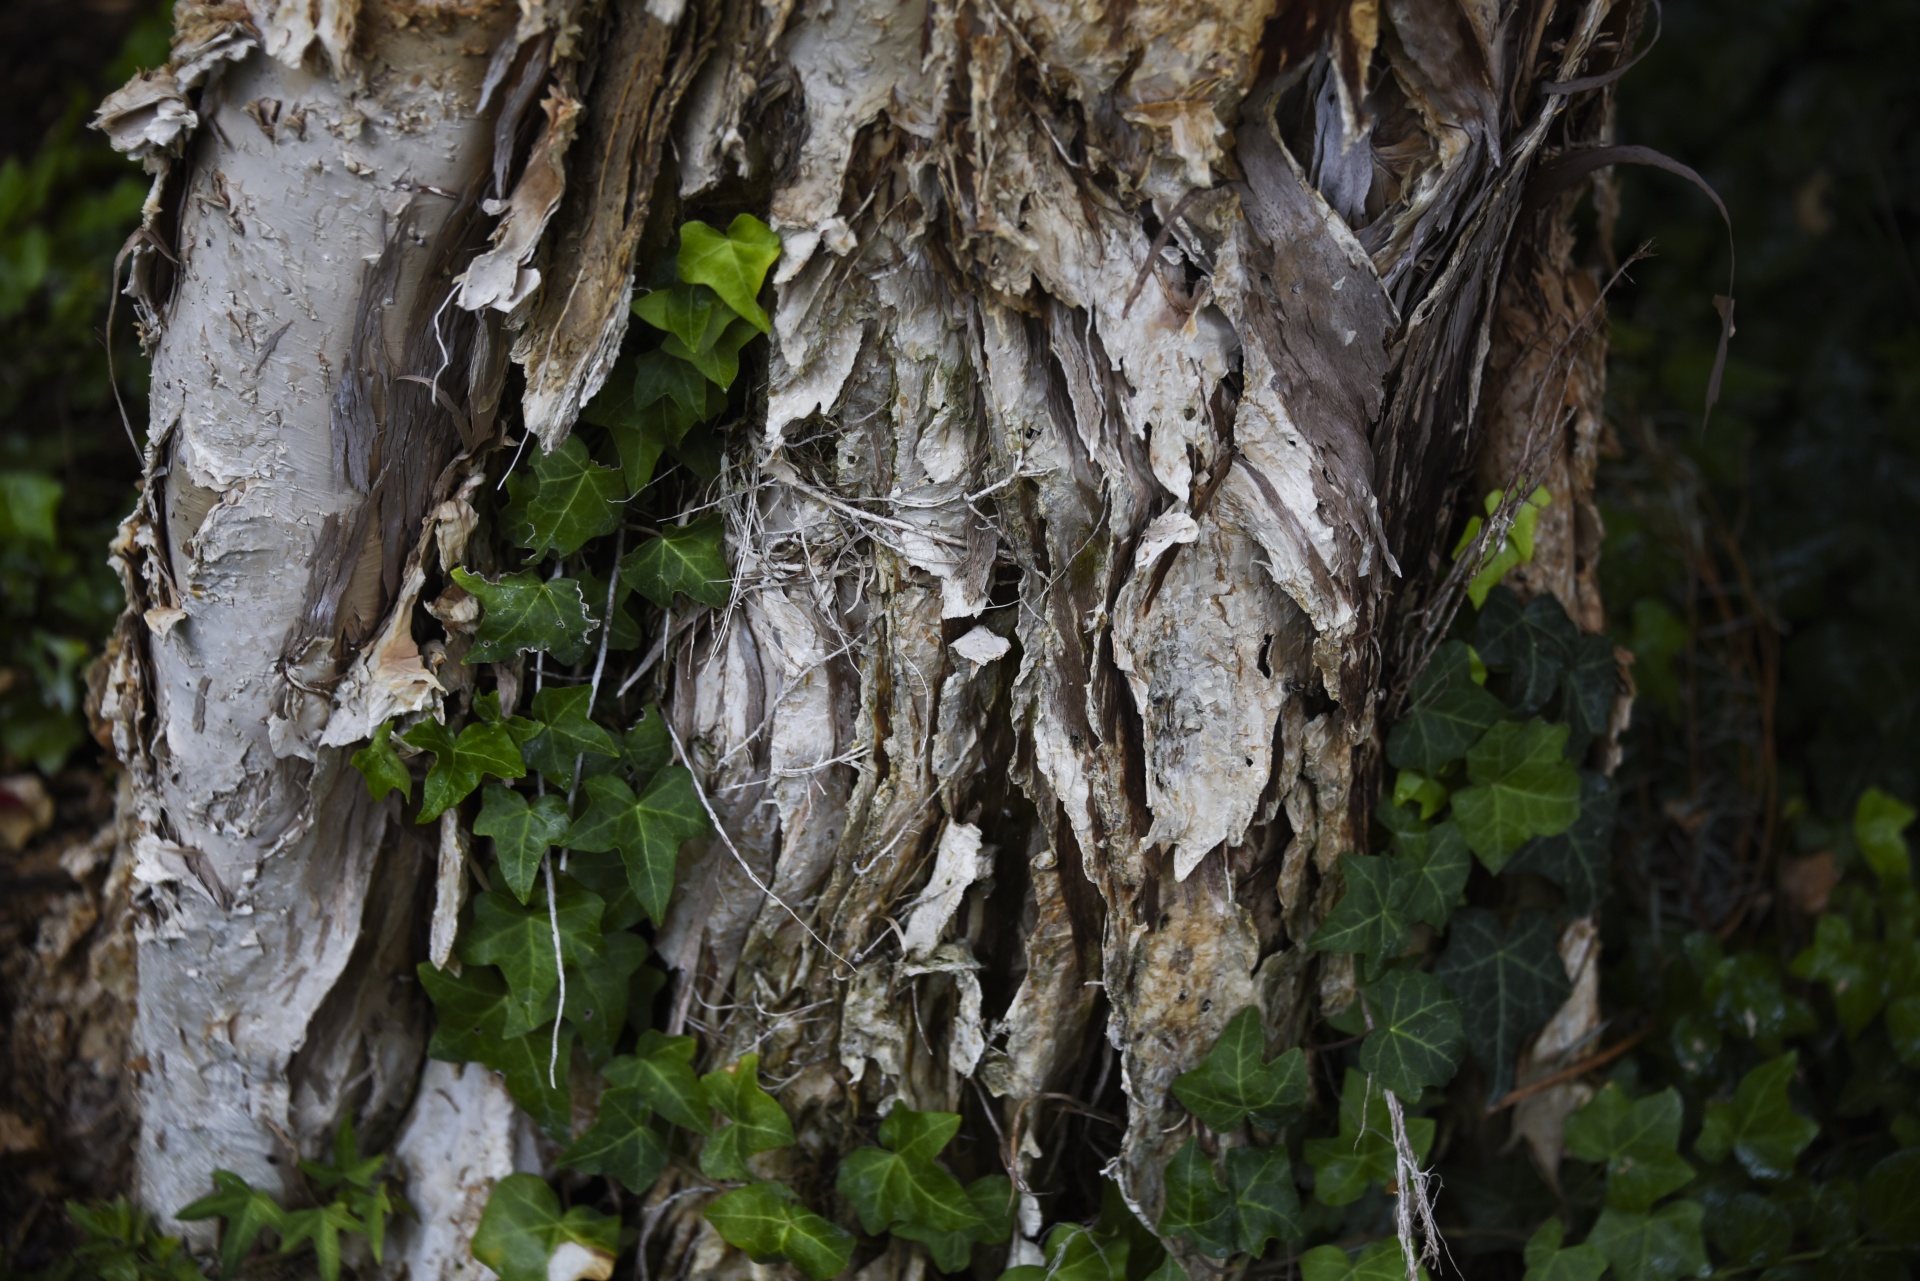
[[991, 1197], [1750, 1229], [768, 1222], [1522, 786], [1744, 994], [1758, 1125], [1415, 1040], [1660, 1245], [1589, 687], [685, 558], [1547, 1260], [1429, 795], [522, 1226], [471, 1010], [571, 501], [1903, 1028], [247, 1210], [348, 1166], [567, 732], [905, 1185], [1266, 1206], [759, 1122], [646, 830], [523, 613], [1235, 1082], [1362, 1153], [658, 376], [692, 313], [1638, 1142], [1878, 823], [1197, 1206], [645, 749], [734, 265], [1434, 866], [1075, 1252], [660, 1070], [1509, 983], [1381, 1261], [460, 763], [1370, 917], [1447, 714], [719, 364], [382, 767], [519, 941], [522, 832], [1531, 642], [322, 1226], [1580, 859], [1851, 967], [1891, 1197], [620, 1145], [599, 989], [605, 873]]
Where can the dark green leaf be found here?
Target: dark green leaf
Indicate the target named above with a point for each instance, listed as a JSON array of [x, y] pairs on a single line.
[[661, 1070], [1588, 688], [525, 613], [247, 1210], [598, 989], [322, 1226], [1878, 823], [1547, 1260], [646, 830], [645, 749], [1580, 859], [1415, 1040], [1381, 1261], [1234, 1081], [522, 833], [1509, 983], [471, 1010], [382, 767], [620, 1145], [734, 265], [1891, 1197], [566, 734], [1522, 786], [1447, 713], [768, 1222], [1075, 1252], [685, 558], [692, 313], [348, 1166], [1851, 967], [1370, 917], [905, 1185], [1750, 1229], [759, 1122], [991, 1197], [1745, 995], [460, 763], [522, 1226], [1434, 866], [1197, 1206], [1532, 643], [1638, 1142], [1362, 1153], [719, 364], [1652, 1246], [570, 501], [1758, 1125], [659, 376], [519, 940], [1266, 1206]]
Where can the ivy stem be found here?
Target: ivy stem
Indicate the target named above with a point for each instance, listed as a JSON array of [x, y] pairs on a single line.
[[560, 965]]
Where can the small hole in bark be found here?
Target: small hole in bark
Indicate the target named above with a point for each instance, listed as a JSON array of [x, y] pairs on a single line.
[[1266, 653]]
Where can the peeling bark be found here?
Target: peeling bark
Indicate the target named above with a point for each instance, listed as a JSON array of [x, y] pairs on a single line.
[[1129, 364]]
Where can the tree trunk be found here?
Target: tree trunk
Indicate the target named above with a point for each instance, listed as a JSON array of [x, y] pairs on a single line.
[[1129, 365]]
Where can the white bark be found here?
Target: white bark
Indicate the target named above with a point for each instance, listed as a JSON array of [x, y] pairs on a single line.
[[280, 901]]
